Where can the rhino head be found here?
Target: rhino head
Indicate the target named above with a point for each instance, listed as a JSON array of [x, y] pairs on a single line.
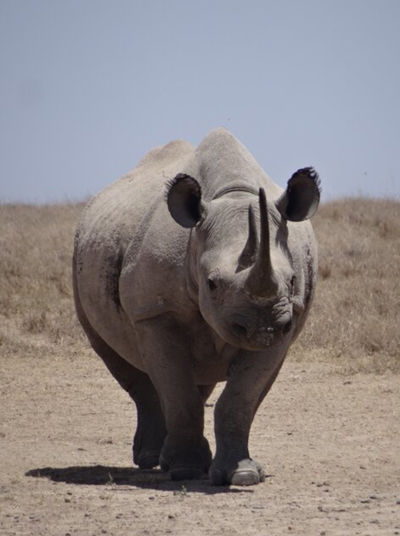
[[241, 268]]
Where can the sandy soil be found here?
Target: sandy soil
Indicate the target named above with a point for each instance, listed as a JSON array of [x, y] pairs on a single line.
[[329, 443]]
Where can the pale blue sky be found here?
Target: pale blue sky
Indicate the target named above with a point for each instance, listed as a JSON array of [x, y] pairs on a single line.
[[89, 86]]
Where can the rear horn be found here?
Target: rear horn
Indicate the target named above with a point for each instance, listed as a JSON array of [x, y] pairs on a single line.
[[249, 253]]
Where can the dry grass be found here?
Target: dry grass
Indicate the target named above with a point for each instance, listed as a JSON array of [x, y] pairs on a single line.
[[355, 319], [356, 314], [36, 306]]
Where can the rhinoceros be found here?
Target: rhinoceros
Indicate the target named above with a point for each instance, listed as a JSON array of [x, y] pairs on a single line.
[[194, 269]]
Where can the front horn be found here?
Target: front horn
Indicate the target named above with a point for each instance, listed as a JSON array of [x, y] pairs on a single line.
[[260, 281]]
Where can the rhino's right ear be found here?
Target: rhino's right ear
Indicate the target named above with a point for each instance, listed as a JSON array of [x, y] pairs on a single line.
[[184, 200]]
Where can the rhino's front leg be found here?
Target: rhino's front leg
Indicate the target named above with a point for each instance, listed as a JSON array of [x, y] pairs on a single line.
[[251, 376], [167, 357]]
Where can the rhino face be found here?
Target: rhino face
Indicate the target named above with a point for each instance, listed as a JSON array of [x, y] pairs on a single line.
[[239, 258]]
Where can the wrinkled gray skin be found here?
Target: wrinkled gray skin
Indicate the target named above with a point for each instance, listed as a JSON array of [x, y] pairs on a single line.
[[180, 285]]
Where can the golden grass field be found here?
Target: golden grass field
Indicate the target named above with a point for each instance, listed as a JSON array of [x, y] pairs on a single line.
[[355, 319]]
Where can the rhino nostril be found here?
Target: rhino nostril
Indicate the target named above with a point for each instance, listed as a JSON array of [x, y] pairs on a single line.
[[239, 329]]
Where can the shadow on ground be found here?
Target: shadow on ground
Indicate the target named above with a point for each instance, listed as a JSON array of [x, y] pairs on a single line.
[[100, 475]]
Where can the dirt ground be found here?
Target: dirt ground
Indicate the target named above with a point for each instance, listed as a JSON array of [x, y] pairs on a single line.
[[329, 444]]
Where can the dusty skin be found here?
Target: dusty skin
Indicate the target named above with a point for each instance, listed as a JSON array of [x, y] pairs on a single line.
[[329, 442]]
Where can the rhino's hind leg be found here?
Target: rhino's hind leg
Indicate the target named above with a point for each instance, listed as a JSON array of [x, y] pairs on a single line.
[[150, 430]]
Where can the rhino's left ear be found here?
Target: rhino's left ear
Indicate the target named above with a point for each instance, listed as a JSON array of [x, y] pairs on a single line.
[[184, 200], [301, 199]]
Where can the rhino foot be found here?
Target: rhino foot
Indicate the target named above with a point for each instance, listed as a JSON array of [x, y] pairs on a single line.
[[147, 459], [147, 448], [184, 463], [246, 472]]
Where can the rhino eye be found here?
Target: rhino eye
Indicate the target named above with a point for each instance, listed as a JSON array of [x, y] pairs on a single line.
[[211, 284]]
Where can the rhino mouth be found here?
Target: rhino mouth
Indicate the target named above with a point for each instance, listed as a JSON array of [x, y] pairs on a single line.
[[262, 338], [258, 336]]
